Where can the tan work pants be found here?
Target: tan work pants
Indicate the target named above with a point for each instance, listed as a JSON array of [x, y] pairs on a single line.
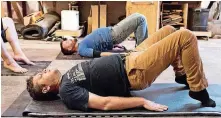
[[166, 47]]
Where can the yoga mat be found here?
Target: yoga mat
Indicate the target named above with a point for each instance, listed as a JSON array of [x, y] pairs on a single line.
[[75, 56], [32, 70], [18, 106], [175, 96], [61, 56]]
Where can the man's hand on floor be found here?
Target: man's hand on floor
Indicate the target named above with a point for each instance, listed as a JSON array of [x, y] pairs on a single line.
[[149, 105]]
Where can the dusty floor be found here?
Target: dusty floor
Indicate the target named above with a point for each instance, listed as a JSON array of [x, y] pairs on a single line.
[[12, 86]]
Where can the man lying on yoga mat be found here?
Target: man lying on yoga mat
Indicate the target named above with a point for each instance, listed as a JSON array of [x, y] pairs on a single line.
[[9, 34], [105, 83], [101, 40]]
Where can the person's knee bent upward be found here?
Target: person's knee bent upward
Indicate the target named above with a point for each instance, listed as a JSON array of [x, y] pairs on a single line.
[[142, 23], [101, 40], [155, 37], [151, 62], [196, 80], [76, 96], [135, 23]]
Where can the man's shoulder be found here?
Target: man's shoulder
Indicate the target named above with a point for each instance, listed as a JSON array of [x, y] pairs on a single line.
[[87, 39], [66, 87]]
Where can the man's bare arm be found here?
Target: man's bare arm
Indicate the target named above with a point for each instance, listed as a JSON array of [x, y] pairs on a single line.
[[120, 103]]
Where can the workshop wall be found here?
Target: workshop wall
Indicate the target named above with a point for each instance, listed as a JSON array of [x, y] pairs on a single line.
[[115, 9]]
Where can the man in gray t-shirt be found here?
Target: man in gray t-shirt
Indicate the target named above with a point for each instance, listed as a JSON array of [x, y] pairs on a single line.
[[106, 81]]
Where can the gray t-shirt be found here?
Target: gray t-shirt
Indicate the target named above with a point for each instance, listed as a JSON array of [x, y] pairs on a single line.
[[103, 76]]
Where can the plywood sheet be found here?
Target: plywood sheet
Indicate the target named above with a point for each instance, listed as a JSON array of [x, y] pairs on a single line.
[[94, 11], [150, 9]]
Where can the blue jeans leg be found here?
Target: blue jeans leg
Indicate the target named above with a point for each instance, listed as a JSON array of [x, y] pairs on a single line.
[[134, 23]]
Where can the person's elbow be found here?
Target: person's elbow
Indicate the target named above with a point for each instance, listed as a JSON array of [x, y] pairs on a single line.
[[101, 104], [83, 53], [111, 104], [106, 104]]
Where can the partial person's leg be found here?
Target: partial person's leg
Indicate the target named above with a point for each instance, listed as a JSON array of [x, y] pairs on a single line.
[[9, 62], [157, 36], [180, 75], [12, 38], [144, 67], [134, 23]]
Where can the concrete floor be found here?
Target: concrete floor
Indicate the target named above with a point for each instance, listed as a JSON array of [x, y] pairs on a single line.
[[12, 86]]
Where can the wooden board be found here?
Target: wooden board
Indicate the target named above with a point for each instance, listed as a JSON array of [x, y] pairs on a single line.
[[200, 33], [103, 15], [89, 25], [175, 9], [17, 11], [9, 9], [94, 11], [2, 10], [150, 9], [69, 33], [185, 14]]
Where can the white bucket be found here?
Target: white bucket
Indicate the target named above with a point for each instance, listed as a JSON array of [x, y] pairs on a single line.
[[70, 20]]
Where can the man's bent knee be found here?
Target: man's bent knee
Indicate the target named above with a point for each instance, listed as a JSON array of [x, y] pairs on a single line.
[[141, 17], [170, 28], [188, 34]]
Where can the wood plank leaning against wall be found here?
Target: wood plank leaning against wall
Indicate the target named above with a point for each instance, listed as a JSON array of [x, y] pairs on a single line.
[[150, 9], [2, 11]]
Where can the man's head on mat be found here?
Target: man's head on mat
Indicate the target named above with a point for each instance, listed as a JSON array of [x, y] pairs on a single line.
[[44, 85], [68, 46]]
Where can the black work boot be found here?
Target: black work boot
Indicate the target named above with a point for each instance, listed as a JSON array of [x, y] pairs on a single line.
[[182, 80], [203, 97]]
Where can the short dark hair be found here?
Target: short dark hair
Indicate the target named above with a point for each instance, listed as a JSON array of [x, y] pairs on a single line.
[[65, 51], [36, 91]]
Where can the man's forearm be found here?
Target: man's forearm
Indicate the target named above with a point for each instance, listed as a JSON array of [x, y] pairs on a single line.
[[120, 103]]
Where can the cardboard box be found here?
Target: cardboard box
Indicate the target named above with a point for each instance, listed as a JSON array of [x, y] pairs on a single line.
[[33, 18]]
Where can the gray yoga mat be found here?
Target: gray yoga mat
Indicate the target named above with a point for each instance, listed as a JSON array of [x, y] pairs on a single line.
[[175, 96], [32, 70], [18, 106], [61, 56], [75, 56]]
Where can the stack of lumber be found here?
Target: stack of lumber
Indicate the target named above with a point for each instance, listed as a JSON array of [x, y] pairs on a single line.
[[172, 17]]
